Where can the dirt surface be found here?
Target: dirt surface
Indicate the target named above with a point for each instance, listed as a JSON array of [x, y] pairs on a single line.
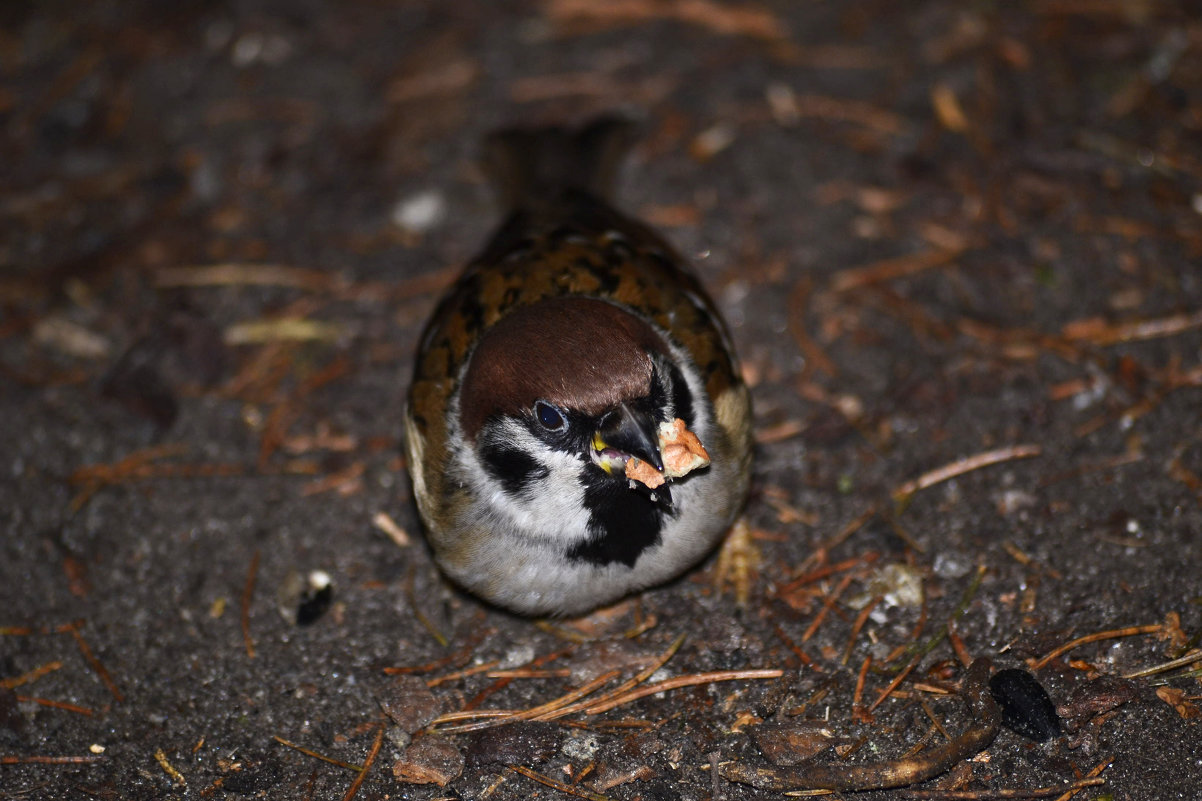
[[939, 231]]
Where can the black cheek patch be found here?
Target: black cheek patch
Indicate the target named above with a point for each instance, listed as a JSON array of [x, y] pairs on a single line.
[[682, 399], [622, 524], [514, 468]]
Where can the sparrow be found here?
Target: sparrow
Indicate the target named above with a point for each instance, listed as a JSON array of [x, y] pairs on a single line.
[[577, 428]]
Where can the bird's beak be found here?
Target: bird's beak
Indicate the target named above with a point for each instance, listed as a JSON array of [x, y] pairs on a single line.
[[630, 432]]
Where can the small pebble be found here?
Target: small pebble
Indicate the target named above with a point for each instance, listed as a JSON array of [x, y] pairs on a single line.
[[419, 213], [430, 760], [316, 599], [1026, 707], [409, 703]]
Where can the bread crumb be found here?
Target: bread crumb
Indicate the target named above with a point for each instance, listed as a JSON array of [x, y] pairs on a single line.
[[638, 470], [682, 453]]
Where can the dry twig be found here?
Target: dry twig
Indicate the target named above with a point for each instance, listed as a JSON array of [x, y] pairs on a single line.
[[557, 785], [367, 763], [827, 605], [30, 675], [965, 465], [35, 759], [1188, 659], [684, 681], [1098, 332], [79, 710], [886, 270], [576, 701], [307, 752], [243, 274], [94, 663], [721, 18], [1101, 635]]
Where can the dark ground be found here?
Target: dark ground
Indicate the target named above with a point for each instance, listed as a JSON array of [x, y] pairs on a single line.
[[938, 229]]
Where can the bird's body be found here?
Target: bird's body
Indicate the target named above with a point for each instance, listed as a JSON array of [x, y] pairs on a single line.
[[546, 368]]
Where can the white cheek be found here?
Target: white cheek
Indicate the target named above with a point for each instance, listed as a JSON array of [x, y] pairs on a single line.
[[703, 424], [551, 509]]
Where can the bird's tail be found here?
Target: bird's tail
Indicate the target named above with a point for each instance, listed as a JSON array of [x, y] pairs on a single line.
[[529, 167]]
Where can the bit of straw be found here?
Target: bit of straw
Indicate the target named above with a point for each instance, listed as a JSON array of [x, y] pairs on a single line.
[[161, 757]]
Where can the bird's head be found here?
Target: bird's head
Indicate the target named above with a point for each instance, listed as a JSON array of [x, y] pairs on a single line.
[[570, 384]]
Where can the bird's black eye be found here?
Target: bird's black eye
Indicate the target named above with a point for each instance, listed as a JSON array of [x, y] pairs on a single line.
[[548, 416]]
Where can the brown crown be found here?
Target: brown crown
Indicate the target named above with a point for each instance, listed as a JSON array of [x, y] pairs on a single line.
[[578, 353]]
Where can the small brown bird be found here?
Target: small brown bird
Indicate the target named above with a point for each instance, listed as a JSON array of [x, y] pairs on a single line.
[[577, 427]]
